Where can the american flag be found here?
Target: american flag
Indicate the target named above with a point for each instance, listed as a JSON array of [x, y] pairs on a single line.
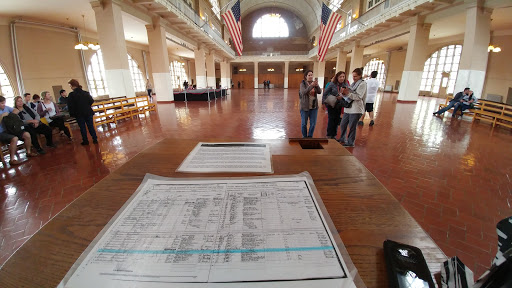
[[327, 27], [232, 19]]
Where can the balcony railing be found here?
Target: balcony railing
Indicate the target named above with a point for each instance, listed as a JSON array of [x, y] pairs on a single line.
[[274, 53], [378, 14], [180, 8]]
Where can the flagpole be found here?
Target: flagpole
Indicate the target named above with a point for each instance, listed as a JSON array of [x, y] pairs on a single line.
[[231, 1]]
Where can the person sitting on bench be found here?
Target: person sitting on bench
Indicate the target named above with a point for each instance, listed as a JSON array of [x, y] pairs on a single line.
[[452, 102], [12, 140], [465, 103]]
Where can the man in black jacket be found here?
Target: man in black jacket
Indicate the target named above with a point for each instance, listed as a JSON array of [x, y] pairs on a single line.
[[452, 102], [79, 105]]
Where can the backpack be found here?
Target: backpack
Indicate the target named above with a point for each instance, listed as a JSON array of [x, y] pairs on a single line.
[[13, 124]]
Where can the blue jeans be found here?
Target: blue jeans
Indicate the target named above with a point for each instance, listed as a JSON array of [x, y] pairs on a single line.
[[450, 105], [460, 106], [82, 122], [304, 115]]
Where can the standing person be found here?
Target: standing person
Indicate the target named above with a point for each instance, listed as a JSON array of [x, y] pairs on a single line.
[[356, 93], [336, 85], [149, 88], [33, 125], [12, 140], [308, 103], [79, 104], [49, 110], [238, 84], [452, 102], [465, 103], [372, 86]]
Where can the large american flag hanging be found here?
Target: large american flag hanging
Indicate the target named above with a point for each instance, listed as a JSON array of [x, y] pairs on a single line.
[[232, 19], [327, 27]]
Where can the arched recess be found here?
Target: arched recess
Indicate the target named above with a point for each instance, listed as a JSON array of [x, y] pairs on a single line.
[[178, 73], [440, 70], [96, 75], [6, 88], [376, 64]]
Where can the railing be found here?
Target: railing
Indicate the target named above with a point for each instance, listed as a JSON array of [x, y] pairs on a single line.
[[378, 14], [179, 7], [274, 53]]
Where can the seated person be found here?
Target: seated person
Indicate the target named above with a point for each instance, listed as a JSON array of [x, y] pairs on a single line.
[[465, 103], [51, 112], [33, 125], [10, 139], [452, 102], [63, 100], [27, 98], [35, 101]]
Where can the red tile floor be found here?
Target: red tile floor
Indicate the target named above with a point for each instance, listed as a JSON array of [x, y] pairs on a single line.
[[454, 177]]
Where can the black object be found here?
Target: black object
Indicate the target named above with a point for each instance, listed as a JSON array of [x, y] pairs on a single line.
[[406, 266]]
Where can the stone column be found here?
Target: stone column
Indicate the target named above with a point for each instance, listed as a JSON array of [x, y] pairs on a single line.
[[320, 74], [200, 64], [224, 74], [341, 61], [160, 61], [210, 70], [415, 58], [109, 22], [256, 75], [473, 61], [286, 68], [356, 61]]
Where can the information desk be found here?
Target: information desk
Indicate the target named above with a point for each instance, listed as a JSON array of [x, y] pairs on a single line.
[[199, 94], [363, 211]]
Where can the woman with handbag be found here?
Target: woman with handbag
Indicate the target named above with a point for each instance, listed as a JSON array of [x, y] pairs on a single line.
[[308, 103], [50, 111], [357, 94], [331, 98], [33, 125]]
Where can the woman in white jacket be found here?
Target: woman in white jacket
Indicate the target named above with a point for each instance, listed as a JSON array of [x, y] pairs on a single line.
[[356, 93]]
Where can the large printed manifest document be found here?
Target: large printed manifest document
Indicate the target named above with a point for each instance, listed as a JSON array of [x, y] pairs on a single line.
[[228, 157], [222, 232]]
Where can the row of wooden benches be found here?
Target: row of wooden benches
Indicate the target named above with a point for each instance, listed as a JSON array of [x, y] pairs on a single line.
[[112, 111], [498, 114]]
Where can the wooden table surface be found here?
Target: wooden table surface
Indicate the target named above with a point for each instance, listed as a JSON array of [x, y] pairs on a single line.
[[363, 211]]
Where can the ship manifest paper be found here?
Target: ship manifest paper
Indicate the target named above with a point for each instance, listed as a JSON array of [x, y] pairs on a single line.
[[216, 232], [228, 157]]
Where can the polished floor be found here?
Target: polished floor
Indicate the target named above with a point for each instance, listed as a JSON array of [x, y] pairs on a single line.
[[454, 177]]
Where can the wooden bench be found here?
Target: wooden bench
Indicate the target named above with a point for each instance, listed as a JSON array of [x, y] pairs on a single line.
[[112, 111], [497, 113], [472, 110], [4, 149]]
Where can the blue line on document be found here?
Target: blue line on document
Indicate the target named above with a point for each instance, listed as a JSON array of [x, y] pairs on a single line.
[[121, 251]]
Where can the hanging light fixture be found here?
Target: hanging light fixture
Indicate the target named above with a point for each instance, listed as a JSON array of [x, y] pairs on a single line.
[[84, 45], [493, 48]]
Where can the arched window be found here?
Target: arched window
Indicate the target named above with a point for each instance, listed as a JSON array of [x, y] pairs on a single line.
[[441, 69], [178, 75], [6, 87], [376, 65], [138, 80], [270, 25], [96, 75], [215, 7]]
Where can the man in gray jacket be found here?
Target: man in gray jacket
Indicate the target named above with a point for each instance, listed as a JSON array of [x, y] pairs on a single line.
[[356, 93]]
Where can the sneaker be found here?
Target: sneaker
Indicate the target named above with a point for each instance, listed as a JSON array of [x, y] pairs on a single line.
[[41, 151], [95, 141], [84, 143], [348, 145], [372, 123], [360, 123]]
